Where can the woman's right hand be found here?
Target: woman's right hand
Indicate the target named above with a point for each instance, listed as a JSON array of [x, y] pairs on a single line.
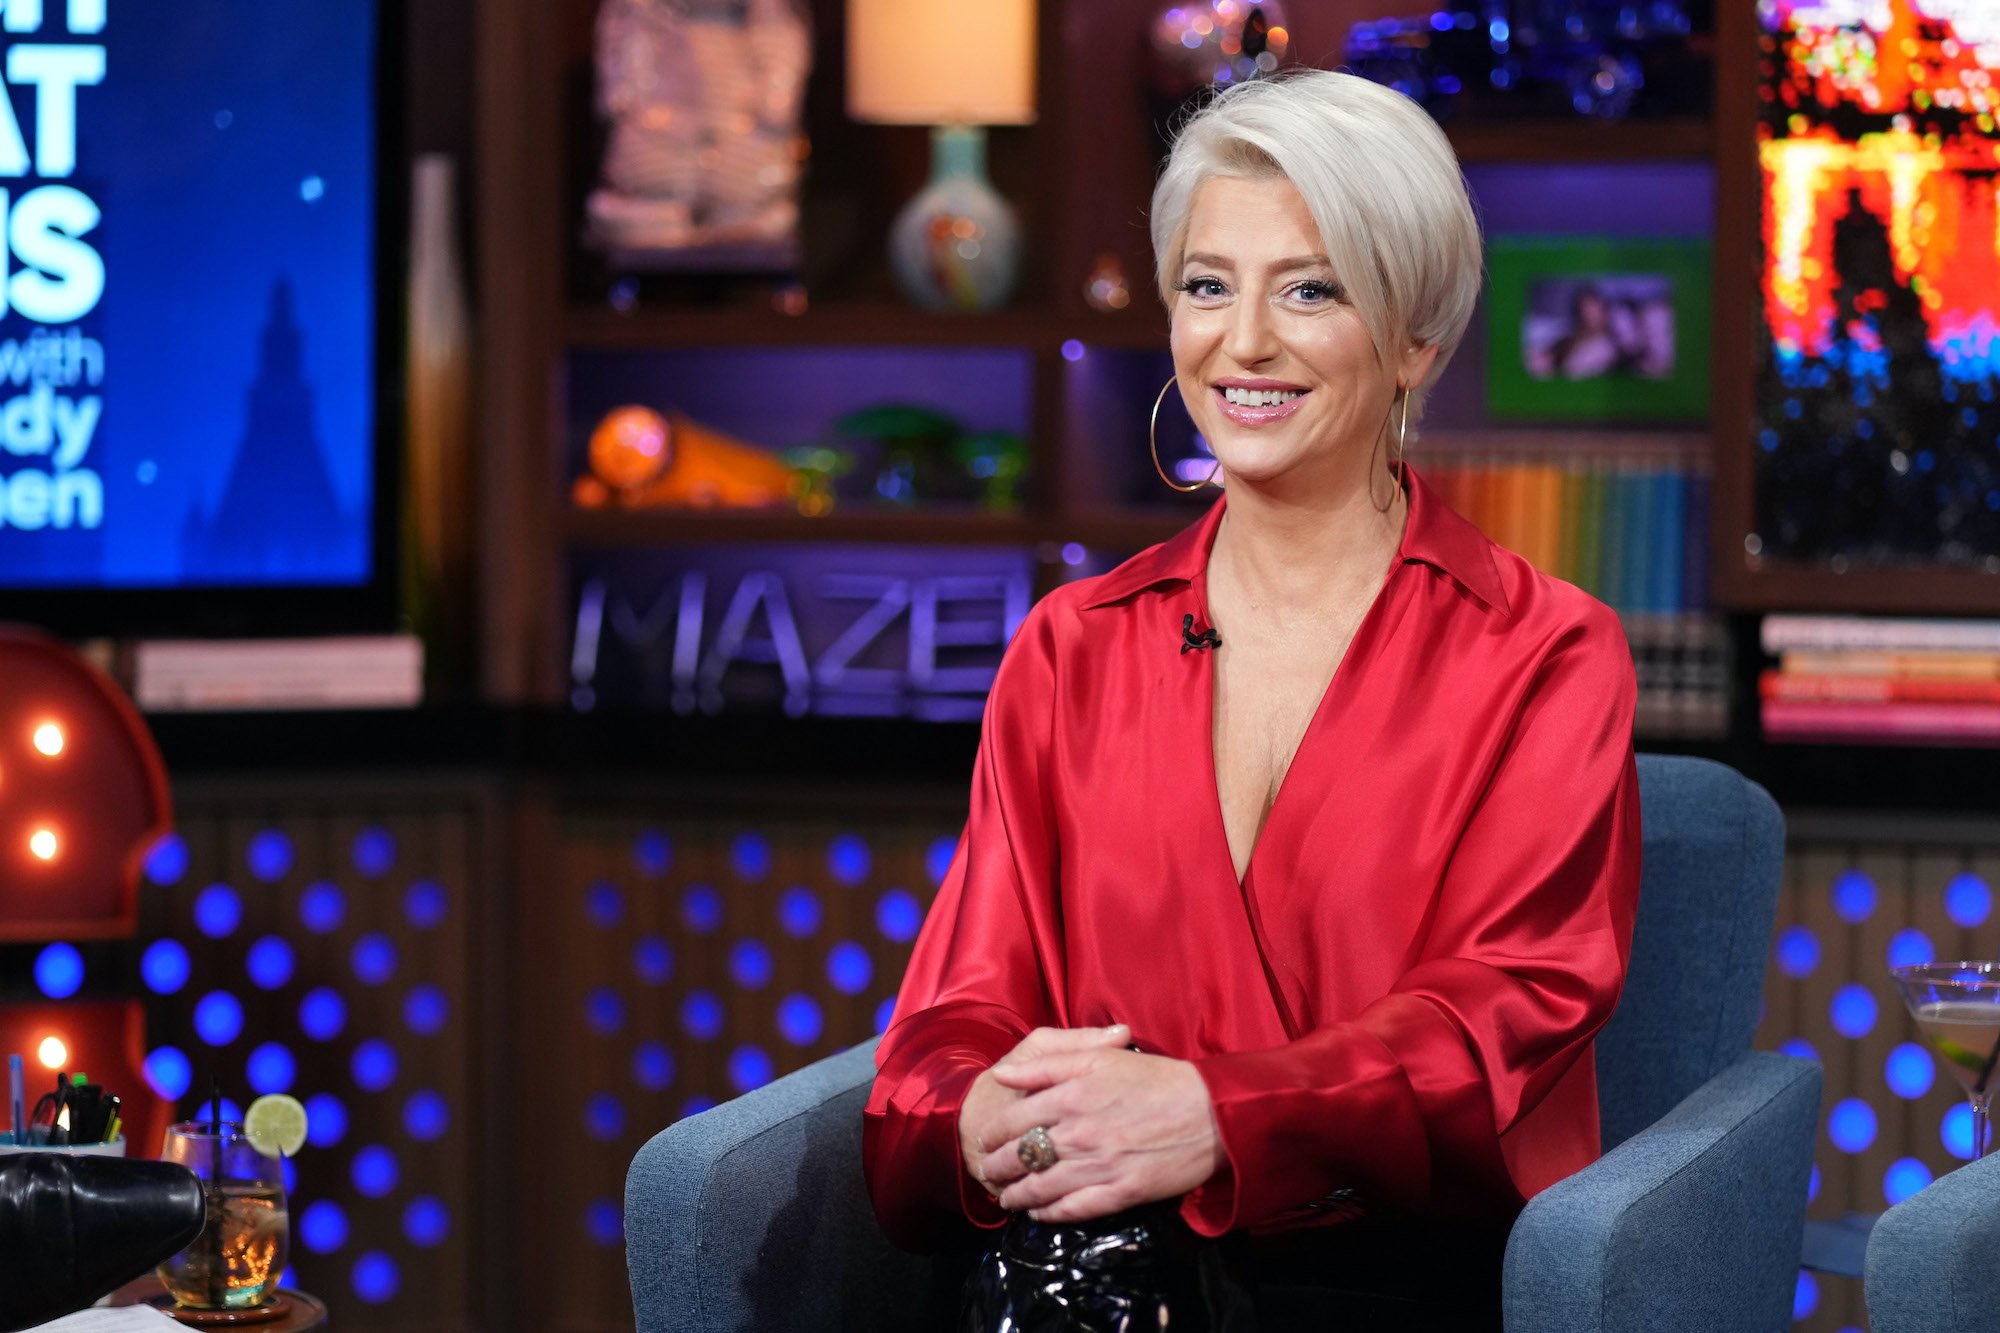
[[987, 1097]]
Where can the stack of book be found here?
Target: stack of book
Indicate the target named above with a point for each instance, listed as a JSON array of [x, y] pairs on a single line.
[[1882, 679], [1625, 518], [1627, 523]]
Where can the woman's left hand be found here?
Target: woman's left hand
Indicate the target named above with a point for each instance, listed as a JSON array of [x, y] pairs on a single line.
[[1128, 1128]]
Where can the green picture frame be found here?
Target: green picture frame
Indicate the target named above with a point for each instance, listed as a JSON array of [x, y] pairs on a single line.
[[1552, 355]]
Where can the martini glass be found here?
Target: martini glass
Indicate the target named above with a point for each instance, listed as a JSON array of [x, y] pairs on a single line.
[[1957, 1008]]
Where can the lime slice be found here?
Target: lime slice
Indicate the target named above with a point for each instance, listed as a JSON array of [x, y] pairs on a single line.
[[1962, 1056], [276, 1124]]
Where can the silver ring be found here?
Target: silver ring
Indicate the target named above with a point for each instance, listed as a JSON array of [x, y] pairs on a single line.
[[1038, 1150]]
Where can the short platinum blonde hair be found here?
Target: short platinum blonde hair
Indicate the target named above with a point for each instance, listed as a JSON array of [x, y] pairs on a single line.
[[1379, 179]]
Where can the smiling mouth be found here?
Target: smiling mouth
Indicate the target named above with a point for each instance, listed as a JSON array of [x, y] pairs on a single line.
[[1261, 397]]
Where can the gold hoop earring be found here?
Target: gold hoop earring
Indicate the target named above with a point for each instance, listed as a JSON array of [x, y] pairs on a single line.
[[1398, 465], [1153, 439]]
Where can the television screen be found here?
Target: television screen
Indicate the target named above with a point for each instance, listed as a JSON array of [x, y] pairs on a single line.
[[188, 354]]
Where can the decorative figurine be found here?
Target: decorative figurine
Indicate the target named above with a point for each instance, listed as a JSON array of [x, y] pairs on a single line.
[[704, 99]]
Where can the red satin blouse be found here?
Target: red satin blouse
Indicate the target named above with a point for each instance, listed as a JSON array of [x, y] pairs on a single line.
[[1400, 996]]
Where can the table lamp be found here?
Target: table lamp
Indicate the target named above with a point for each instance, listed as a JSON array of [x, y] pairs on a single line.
[[957, 66]]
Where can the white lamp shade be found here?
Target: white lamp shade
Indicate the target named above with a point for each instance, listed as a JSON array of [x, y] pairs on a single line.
[[941, 62]]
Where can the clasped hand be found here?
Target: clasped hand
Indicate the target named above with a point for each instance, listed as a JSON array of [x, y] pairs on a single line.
[[1128, 1128]]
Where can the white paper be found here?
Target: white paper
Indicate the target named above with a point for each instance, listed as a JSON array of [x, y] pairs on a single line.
[[122, 1319]]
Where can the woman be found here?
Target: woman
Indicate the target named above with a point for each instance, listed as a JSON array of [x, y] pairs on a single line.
[[1304, 848]]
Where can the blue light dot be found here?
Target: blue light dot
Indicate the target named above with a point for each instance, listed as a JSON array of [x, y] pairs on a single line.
[[750, 856], [604, 904], [1805, 1296], [374, 851], [375, 1278], [799, 1020], [323, 1226], [1074, 554], [1853, 1010], [750, 964], [1909, 1071], [1798, 952], [373, 1064], [1905, 1176], [425, 1010], [322, 1013], [322, 907], [653, 960], [1851, 1125], [426, 1222], [312, 189], [164, 966], [374, 1171], [604, 1117], [426, 1116], [425, 904], [288, 1173], [59, 971], [1812, 1184], [373, 959], [270, 855], [218, 1018], [1854, 896], [326, 1120], [169, 1073], [167, 862], [701, 1015], [849, 967], [652, 853], [1967, 900], [1910, 948], [1798, 1047], [269, 963], [1072, 350], [885, 1014], [937, 861], [701, 909], [605, 1223], [848, 859], [749, 1068], [605, 1010], [652, 1066], [696, 1105], [218, 911], [271, 1068], [798, 912], [1955, 1131], [898, 915]]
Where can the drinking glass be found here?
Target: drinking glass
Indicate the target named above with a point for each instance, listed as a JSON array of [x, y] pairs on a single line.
[[1957, 1008], [236, 1261]]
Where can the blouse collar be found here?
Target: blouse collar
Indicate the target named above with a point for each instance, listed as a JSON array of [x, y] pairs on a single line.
[[1435, 535]]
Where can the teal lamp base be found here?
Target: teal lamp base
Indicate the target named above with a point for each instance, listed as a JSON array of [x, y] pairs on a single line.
[[956, 245]]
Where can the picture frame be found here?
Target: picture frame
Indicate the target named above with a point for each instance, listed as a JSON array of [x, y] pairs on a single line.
[[1602, 329]]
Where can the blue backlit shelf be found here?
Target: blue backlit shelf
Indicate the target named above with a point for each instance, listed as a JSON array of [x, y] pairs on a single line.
[[681, 527], [1581, 140]]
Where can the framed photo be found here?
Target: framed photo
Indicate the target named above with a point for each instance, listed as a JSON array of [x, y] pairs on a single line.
[[1598, 329]]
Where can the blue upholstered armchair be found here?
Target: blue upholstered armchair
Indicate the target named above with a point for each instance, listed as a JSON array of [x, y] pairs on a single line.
[[754, 1215], [1934, 1259]]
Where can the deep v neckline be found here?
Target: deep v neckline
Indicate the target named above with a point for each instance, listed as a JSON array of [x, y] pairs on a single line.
[[1319, 712]]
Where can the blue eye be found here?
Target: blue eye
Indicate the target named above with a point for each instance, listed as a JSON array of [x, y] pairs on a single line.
[[1317, 293], [1201, 287]]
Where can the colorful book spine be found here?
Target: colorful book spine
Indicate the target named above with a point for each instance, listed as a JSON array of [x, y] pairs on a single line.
[[1786, 633], [1786, 719], [1877, 689]]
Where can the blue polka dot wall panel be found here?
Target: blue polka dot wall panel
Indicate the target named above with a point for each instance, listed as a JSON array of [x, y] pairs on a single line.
[[1858, 900], [320, 944], [692, 961]]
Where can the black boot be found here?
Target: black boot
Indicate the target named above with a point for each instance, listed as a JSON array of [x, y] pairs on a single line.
[[74, 1229]]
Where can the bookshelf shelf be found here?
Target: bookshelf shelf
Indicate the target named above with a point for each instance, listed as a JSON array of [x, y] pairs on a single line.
[[879, 325]]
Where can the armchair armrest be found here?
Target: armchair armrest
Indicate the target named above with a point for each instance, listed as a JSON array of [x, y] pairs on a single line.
[[1694, 1222], [1934, 1259], [754, 1215]]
